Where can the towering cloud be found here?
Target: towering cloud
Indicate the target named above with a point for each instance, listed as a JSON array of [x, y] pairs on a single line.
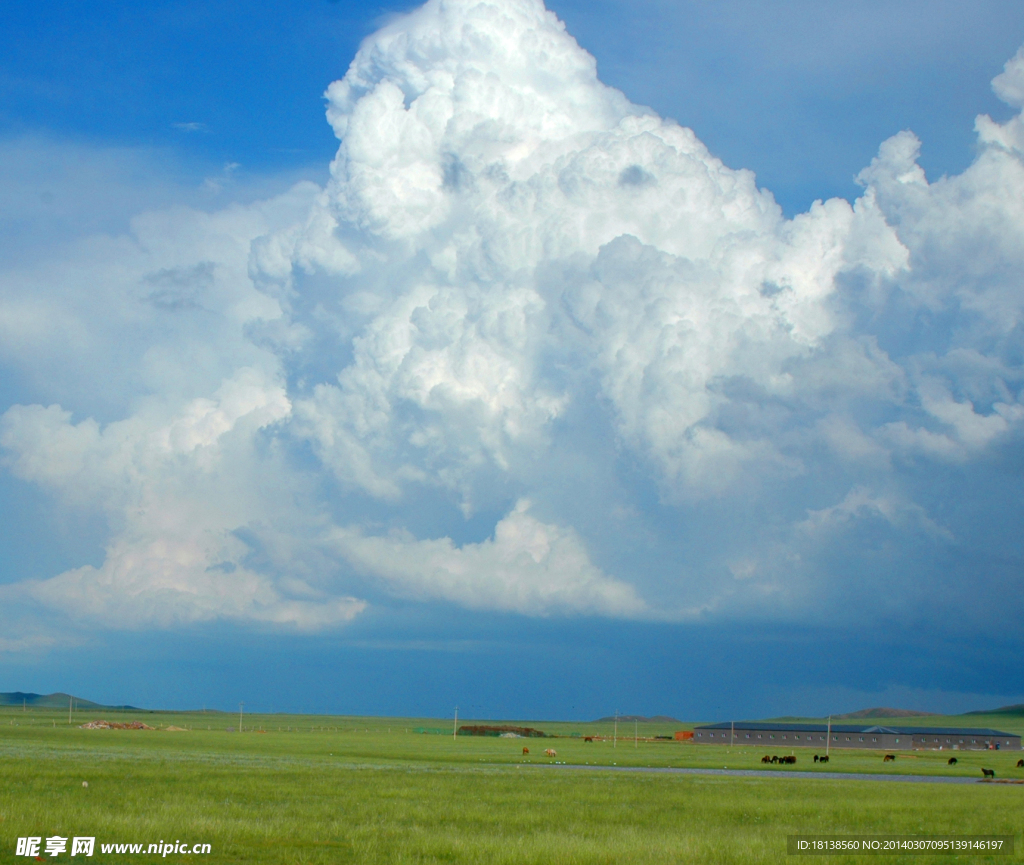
[[517, 285]]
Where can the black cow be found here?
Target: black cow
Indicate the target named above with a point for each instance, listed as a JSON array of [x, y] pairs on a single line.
[[951, 761], [816, 758], [989, 773], [823, 759], [1020, 764]]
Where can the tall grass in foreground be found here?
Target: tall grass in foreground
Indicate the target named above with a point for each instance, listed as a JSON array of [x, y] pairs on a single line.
[[300, 807]]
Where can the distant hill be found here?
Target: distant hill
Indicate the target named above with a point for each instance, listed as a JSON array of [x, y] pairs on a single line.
[[654, 719], [52, 701], [1017, 709], [884, 712], [877, 712]]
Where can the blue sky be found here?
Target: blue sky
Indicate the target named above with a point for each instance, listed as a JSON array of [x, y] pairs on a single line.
[[798, 92], [499, 387]]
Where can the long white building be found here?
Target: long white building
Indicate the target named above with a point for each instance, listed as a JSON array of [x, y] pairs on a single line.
[[855, 736]]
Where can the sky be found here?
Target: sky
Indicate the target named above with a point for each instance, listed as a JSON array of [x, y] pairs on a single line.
[[661, 358]]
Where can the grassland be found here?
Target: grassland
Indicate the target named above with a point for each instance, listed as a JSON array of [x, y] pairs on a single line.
[[370, 790]]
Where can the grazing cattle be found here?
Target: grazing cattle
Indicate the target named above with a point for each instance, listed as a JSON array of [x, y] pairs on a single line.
[[815, 758], [988, 773], [774, 759], [788, 760], [766, 759], [823, 759], [1020, 764], [550, 752], [888, 758], [951, 761], [588, 738], [526, 750]]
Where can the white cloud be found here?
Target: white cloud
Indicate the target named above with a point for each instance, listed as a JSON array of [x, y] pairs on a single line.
[[861, 503], [175, 491], [528, 567], [489, 154], [1009, 84], [34, 643], [167, 581], [514, 279]]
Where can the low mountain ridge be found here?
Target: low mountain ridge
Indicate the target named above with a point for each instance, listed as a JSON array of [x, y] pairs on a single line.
[[59, 700], [883, 712], [1015, 709]]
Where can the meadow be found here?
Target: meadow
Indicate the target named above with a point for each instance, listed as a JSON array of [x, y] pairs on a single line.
[[373, 790]]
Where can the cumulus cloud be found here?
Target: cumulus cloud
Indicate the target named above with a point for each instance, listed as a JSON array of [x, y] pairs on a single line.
[[175, 491], [527, 567], [861, 503], [1009, 84], [515, 279], [562, 226]]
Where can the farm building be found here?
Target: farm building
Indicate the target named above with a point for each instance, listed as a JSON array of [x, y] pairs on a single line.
[[854, 736]]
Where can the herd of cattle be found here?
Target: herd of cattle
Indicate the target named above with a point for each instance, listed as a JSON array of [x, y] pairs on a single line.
[[822, 758], [888, 758]]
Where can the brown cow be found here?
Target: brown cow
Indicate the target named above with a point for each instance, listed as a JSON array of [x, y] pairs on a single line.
[[550, 752], [823, 759], [951, 761], [888, 758], [1020, 764], [526, 750], [766, 759]]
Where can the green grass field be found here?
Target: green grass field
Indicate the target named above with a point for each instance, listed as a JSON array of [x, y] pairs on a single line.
[[321, 789]]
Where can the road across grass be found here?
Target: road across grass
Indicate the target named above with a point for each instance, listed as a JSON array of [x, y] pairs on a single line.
[[767, 773]]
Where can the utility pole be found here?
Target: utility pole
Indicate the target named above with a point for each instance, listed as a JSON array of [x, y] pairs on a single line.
[[455, 726], [828, 736], [240, 717], [615, 735]]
